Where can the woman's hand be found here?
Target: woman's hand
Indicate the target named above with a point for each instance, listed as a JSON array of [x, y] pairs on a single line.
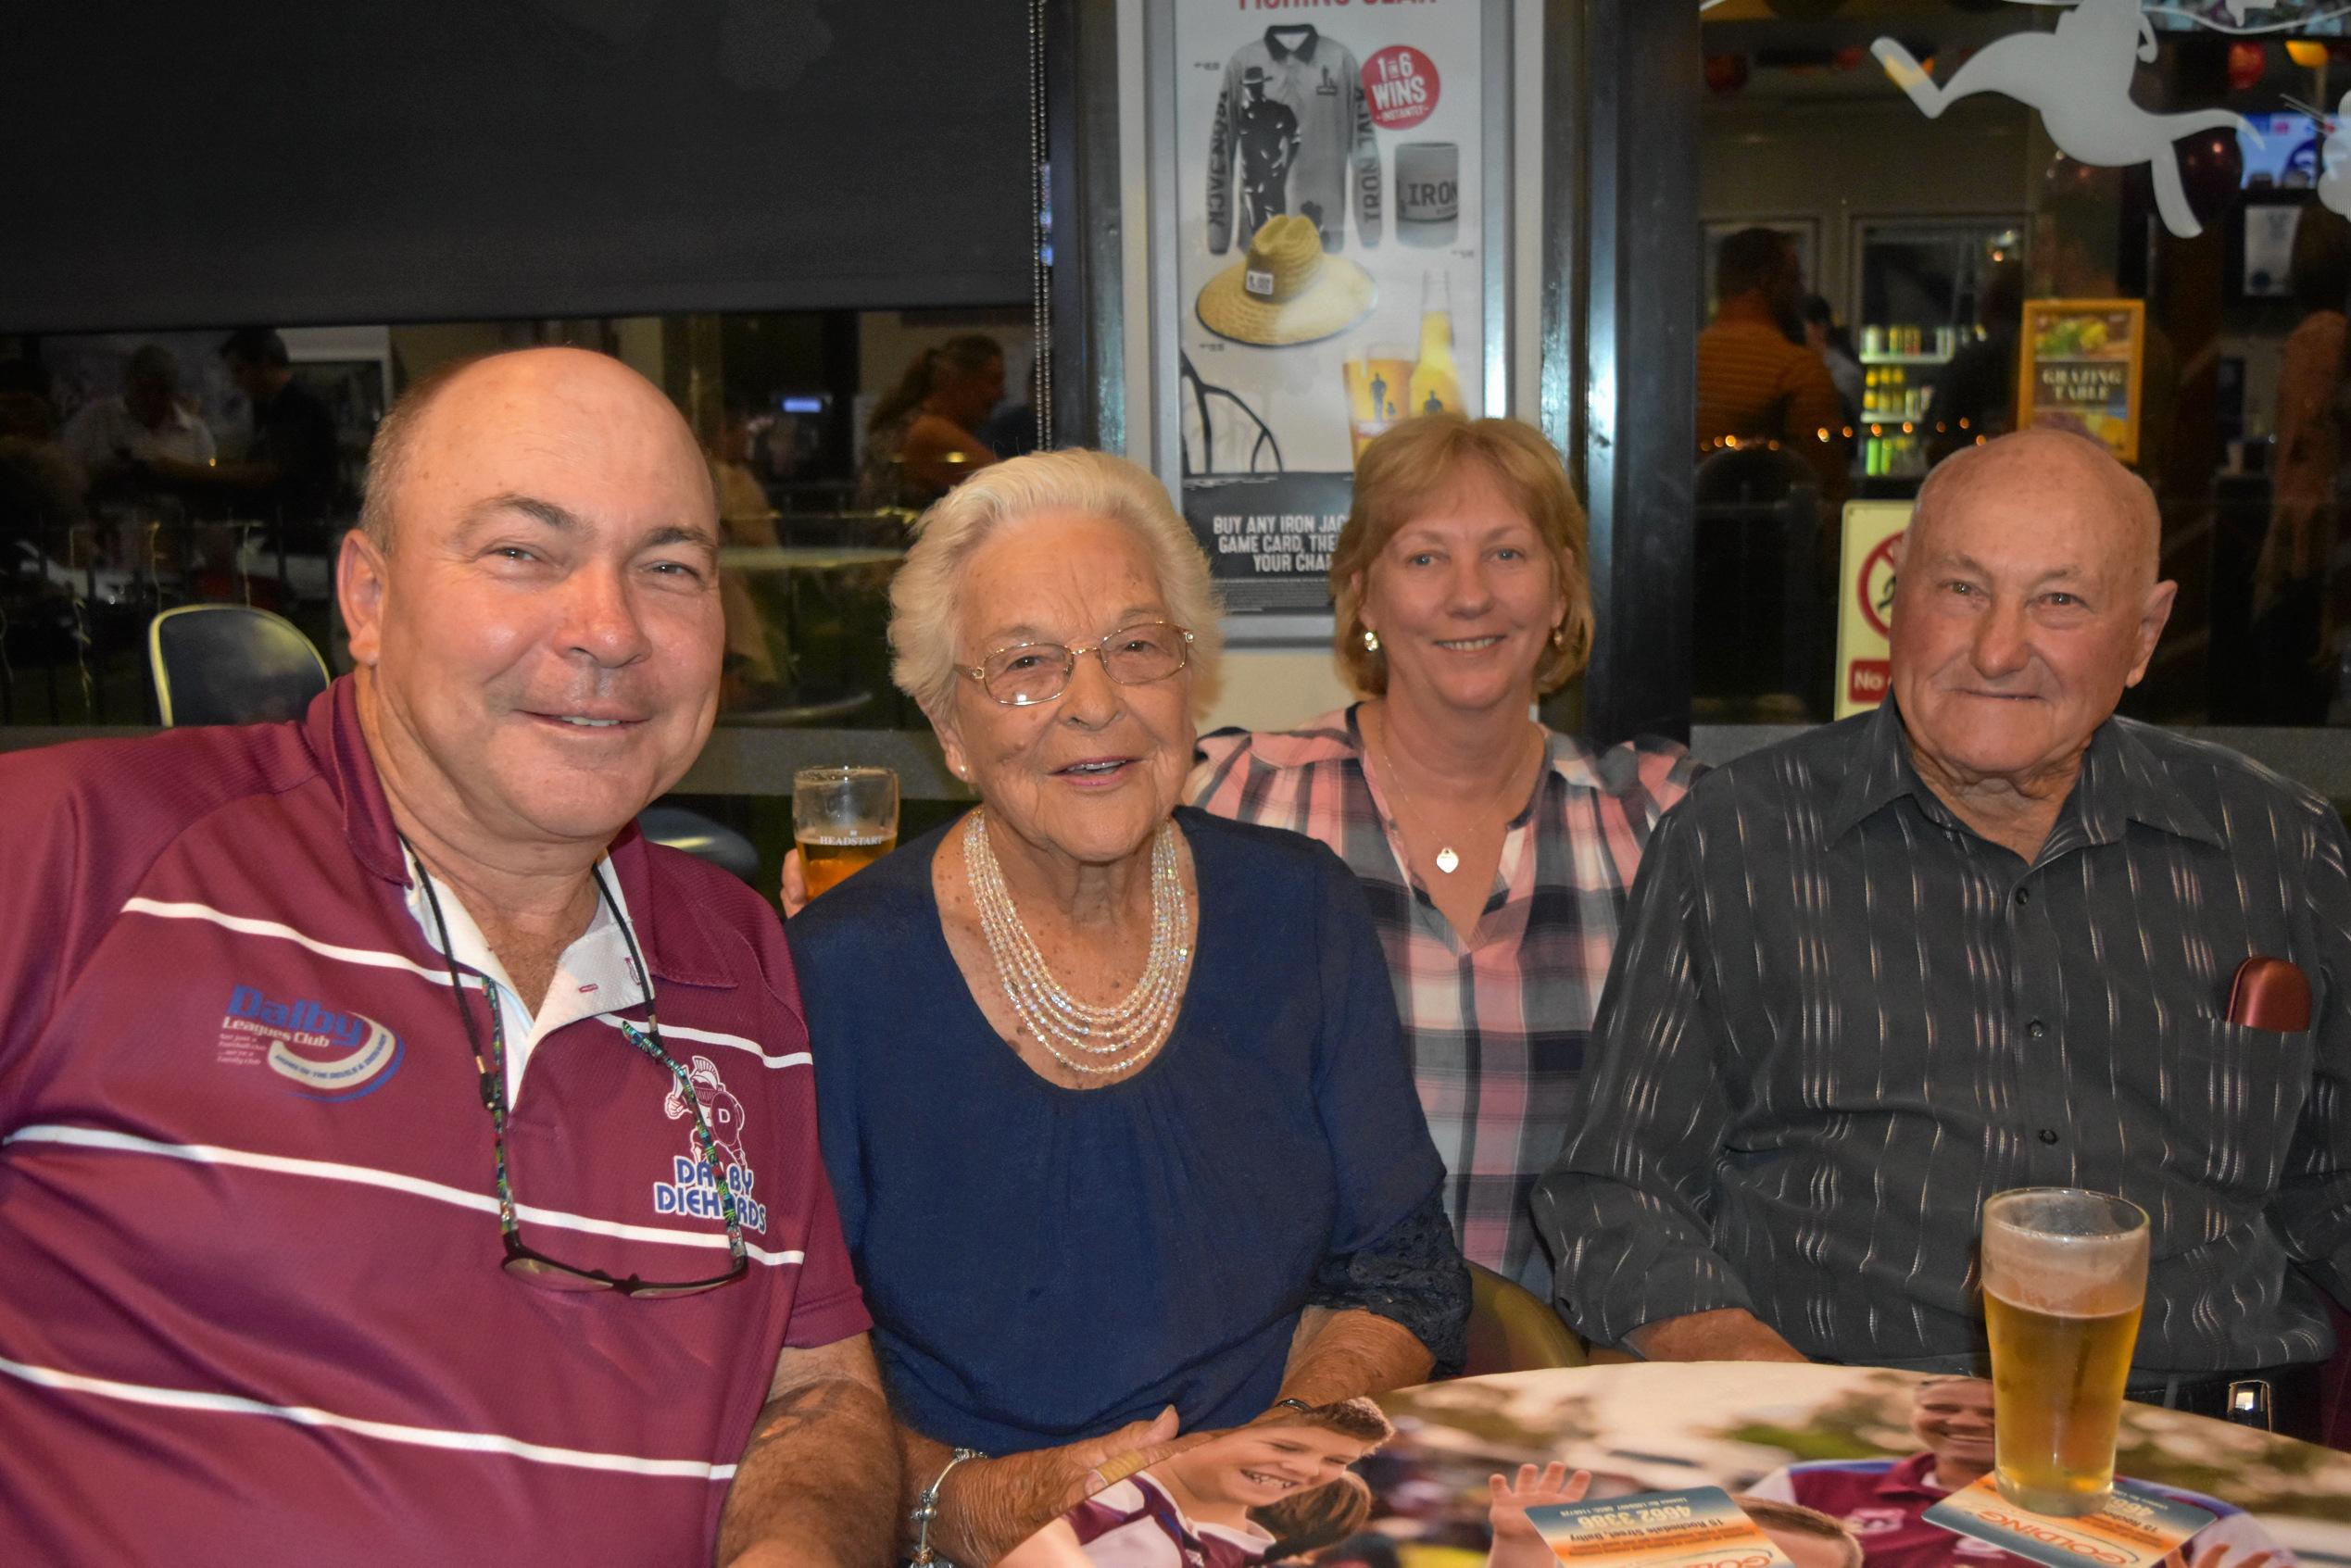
[[794, 892], [992, 1505], [1517, 1544]]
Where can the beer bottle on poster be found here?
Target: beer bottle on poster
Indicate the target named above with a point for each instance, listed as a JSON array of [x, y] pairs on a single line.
[[1436, 384]]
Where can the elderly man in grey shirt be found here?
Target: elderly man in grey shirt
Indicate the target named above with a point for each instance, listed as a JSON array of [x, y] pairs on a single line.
[[1984, 938]]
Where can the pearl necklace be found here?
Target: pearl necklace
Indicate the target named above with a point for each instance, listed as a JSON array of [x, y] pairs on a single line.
[[1108, 1040], [1447, 857]]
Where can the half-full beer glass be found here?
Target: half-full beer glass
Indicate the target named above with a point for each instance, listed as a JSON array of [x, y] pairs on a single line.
[[844, 819], [2064, 1275]]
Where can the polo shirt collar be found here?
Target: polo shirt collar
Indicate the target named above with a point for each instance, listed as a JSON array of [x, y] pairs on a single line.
[[1281, 51], [2121, 782], [688, 946], [1910, 1478], [593, 979]]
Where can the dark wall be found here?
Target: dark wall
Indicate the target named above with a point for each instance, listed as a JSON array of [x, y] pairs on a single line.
[[318, 161]]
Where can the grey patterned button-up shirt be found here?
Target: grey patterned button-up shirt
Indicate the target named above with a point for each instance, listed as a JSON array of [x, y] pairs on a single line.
[[1839, 1019]]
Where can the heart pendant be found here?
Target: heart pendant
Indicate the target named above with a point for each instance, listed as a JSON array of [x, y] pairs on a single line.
[[1447, 861]]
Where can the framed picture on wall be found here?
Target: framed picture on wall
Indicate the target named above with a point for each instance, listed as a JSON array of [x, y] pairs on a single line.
[[1329, 197]]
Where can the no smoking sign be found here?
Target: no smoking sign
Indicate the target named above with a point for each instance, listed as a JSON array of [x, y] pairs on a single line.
[[1865, 619], [1876, 587]]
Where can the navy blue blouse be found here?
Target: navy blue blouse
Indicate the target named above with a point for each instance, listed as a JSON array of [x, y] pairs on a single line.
[[1045, 1264]]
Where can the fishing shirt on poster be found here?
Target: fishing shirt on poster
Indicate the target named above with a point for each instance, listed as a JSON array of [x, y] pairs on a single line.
[[1292, 134]]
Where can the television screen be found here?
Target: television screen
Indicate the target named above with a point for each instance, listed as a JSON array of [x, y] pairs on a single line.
[[2287, 154]]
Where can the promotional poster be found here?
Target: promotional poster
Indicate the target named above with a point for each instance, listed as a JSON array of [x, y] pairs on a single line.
[[1674, 1465], [2081, 368], [1328, 267]]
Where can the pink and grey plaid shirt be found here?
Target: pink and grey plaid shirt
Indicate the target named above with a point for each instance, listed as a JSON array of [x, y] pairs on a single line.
[[1498, 1019]]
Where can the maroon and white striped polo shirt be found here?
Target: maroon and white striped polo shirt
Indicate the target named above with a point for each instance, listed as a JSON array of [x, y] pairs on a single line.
[[251, 1305]]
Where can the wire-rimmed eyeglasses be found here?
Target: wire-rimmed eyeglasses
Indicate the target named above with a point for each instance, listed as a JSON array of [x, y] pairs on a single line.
[[1023, 674], [523, 1261]]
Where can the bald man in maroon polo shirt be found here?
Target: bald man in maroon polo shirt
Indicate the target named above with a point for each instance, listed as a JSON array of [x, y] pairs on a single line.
[[400, 1159]]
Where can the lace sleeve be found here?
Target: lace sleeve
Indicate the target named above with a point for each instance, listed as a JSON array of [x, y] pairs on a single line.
[[1412, 1275]]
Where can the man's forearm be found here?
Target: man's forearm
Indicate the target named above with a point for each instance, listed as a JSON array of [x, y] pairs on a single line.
[[1337, 1355], [1728, 1334], [819, 1484]]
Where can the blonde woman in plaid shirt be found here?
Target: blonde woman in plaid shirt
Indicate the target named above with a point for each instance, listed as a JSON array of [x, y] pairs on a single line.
[[1497, 854]]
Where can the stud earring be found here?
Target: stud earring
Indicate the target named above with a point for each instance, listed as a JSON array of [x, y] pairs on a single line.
[[1371, 640], [1559, 637]]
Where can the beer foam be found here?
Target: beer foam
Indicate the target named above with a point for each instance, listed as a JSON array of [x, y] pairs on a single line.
[[2066, 1276]]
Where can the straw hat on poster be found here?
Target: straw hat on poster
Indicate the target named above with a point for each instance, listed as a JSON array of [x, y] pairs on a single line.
[[1286, 289]]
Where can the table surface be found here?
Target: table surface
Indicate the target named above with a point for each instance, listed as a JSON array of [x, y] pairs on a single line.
[[1662, 1427], [804, 557]]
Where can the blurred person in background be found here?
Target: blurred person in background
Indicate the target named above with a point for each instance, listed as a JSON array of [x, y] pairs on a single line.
[[1834, 345], [1757, 379], [1120, 1115], [290, 475], [752, 675], [2292, 613], [1976, 393], [1497, 854], [40, 485], [142, 422], [921, 440]]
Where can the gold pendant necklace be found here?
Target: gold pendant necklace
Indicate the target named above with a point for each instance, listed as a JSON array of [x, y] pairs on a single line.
[[1448, 860]]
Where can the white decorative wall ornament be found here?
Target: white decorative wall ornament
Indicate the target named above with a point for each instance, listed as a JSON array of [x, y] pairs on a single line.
[[2334, 159], [2078, 77]]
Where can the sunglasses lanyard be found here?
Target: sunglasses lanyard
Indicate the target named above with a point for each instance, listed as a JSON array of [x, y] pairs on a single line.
[[492, 1064]]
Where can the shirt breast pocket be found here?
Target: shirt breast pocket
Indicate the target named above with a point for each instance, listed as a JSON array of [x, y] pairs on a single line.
[[2226, 1098]]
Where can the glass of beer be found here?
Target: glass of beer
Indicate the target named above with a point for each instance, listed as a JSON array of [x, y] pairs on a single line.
[[1378, 386], [844, 819], [2064, 1275]]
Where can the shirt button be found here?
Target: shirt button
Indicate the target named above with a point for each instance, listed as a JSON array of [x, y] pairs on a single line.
[[2024, 896], [2035, 1028], [2048, 1135]]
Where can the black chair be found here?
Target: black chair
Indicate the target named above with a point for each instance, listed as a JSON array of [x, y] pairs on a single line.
[[1766, 623], [230, 664]]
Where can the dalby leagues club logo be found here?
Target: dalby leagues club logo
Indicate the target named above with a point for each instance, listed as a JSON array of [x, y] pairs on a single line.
[[326, 1054], [693, 1185]]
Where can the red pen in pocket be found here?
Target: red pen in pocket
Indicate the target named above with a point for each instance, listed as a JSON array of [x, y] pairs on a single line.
[[2270, 994]]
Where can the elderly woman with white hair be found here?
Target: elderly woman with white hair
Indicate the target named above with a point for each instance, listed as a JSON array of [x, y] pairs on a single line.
[[1114, 1094]]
